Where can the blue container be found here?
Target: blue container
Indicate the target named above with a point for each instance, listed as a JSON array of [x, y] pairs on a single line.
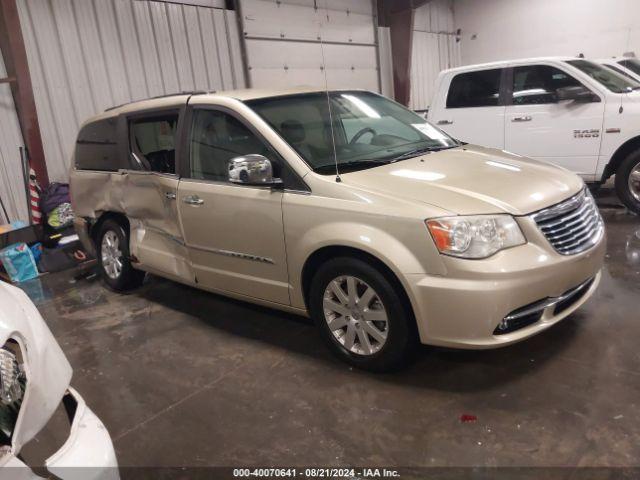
[[19, 263]]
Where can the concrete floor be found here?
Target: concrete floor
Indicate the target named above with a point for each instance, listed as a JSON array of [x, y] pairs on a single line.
[[185, 378]]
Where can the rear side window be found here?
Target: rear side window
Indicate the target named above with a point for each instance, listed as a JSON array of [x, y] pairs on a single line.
[[97, 147], [475, 89], [153, 143], [537, 84]]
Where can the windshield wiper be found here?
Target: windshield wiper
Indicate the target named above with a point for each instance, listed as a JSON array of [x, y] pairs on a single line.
[[418, 151], [354, 165]]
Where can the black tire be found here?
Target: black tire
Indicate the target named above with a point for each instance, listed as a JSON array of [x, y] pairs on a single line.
[[128, 278], [622, 181], [401, 338]]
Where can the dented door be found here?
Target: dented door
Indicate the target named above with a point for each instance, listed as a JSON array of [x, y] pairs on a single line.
[[150, 190]]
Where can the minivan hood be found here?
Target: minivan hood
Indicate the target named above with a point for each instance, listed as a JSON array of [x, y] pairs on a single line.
[[472, 180]]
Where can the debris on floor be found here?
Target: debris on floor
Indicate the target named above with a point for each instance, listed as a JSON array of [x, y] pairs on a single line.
[[467, 418]]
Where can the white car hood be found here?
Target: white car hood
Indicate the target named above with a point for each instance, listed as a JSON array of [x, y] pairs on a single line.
[[48, 371]]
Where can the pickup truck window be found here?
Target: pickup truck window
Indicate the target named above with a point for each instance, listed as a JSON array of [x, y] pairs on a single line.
[[632, 64], [537, 84], [619, 71], [610, 80], [368, 129], [475, 89]]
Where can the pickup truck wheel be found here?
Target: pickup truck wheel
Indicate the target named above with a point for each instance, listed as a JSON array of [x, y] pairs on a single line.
[[361, 316], [113, 258], [628, 181]]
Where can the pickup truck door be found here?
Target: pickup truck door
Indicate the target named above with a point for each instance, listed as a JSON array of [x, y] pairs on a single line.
[[471, 109], [234, 233], [565, 133]]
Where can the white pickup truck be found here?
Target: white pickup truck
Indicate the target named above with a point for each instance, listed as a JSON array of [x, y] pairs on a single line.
[[568, 111], [628, 67]]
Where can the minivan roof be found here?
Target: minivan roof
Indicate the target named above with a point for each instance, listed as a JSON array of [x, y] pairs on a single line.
[[177, 99]]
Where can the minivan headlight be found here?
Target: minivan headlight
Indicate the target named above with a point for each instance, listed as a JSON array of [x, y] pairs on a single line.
[[477, 236]]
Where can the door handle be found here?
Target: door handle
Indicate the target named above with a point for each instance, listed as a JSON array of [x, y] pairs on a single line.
[[169, 195], [192, 200], [445, 122], [526, 118]]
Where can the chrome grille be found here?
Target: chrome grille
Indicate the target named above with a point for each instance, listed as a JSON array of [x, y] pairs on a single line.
[[572, 226]]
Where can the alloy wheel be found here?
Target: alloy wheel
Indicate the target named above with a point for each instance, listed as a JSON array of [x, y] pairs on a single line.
[[634, 182], [111, 255], [355, 315]]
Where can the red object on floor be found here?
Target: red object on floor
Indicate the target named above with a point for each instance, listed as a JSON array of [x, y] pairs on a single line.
[[34, 198], [466, 418]]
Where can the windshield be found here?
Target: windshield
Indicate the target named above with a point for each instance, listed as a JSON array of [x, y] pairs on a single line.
[[611, 80], [632, 64], [369, 130], [619, 71]]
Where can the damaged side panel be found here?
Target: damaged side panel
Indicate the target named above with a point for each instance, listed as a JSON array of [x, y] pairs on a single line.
[[103, 180], [148, 200]]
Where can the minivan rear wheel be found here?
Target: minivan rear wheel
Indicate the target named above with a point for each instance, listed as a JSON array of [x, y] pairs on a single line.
[[628, 181], [361, 315], [113, 258]]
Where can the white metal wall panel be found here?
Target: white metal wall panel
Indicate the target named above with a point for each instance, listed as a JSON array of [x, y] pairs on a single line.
[[235, 51], [88, 55], [220, 25], [12, 192], [283, 47], [434, 49]]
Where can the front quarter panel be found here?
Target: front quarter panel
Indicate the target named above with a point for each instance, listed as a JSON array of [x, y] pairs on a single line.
[[396, 236]]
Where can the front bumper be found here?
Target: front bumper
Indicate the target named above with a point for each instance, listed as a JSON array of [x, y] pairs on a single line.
[[463, 308], [87, 454]]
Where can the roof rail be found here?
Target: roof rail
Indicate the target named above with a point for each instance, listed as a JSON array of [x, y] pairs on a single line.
[[194, 92]]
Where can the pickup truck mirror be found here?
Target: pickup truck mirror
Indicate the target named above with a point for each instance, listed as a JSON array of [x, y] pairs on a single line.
[[252, 169], [577, 94]]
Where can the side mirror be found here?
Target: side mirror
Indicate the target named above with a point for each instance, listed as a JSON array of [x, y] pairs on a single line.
[[252, 170], [577, 94]]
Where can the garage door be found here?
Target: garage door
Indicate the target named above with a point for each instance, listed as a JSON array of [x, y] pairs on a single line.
[[282, 40]]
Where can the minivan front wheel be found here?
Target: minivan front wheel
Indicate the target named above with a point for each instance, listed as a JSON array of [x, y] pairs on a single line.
[[628, 181], [113, 258], [361, 315]]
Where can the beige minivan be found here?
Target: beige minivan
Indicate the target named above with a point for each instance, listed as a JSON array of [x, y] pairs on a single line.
[[341, 205]]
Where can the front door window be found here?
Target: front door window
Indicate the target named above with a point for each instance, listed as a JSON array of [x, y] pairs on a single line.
[[216, 138]]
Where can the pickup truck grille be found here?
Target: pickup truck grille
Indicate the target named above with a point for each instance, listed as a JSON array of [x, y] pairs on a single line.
[[572, 226]]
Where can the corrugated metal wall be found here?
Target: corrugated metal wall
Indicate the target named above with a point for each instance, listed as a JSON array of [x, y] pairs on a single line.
[[434, 49], [12, 191], [88, 55], [283, 43]]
